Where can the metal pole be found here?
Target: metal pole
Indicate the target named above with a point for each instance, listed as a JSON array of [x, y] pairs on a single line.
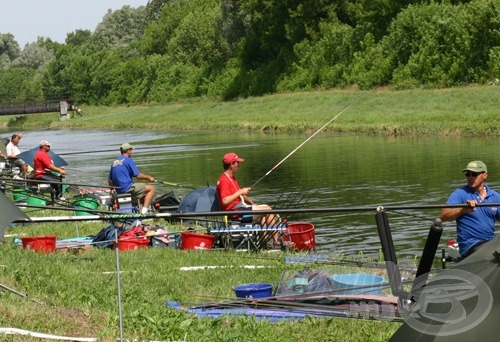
[[118, 283]]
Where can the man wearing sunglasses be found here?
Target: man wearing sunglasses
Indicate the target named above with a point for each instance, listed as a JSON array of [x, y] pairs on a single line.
[[475, 224], [46, 170]]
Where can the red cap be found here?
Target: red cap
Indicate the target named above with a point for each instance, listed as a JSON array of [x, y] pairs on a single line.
[[231, 158]]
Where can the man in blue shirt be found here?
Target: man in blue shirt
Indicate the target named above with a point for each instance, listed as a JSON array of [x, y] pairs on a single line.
[[123, 170], [475, 225]]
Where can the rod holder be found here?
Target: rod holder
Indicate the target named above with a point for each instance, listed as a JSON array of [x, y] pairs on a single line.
[[389, 251]]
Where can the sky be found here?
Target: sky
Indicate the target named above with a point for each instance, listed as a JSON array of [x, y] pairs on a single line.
[[54, 19]]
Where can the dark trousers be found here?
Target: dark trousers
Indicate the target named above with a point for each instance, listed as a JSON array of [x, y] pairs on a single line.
[[56, 187], [474, 248]]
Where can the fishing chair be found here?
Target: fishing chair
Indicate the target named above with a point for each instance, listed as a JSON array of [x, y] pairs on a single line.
[[9, 169], [243, 233], [42, 189], [124, 202]]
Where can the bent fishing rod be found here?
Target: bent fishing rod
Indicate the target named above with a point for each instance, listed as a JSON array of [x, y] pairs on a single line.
[[305, 141]]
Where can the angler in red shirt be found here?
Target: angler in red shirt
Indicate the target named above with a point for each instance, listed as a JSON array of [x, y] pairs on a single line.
[[44, 168], [232, 197]]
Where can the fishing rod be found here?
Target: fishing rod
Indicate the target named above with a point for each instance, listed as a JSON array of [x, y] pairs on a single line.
[[287, 203], [321, 303], [175, 184], [25, 296], [103, 151], [110, 215], [12, 180], [304, 142]]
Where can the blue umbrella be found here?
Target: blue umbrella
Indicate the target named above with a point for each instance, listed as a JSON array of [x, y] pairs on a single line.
[[200, 200], [29, 155]]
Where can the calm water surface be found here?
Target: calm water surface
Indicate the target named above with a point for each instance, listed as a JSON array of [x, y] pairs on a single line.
[[328, 171]]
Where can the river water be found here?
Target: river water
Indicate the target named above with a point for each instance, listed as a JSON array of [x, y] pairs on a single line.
[[327, 171]]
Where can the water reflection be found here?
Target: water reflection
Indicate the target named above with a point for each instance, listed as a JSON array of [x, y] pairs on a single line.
[[328, 171]]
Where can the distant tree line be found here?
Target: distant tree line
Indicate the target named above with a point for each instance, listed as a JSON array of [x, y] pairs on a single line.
[[224, 49]]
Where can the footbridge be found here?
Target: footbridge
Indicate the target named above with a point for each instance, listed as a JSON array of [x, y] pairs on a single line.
[[63, 107]]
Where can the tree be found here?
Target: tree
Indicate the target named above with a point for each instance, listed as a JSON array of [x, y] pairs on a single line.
[[154, 8], [34, 55], [78, 37], [121, 27], [19, 85], [9, 50]]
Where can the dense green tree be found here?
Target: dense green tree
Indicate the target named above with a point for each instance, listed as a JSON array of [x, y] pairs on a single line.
[[441, 45], [158, 33], [34, 55], [78, 37], [55, 82], [9, 50], [20, 85], [154, 8], [121, 27], [175, 49], [324, 62]]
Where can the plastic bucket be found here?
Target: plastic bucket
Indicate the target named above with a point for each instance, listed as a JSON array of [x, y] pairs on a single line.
[[302, 235], [36, 201], [196, 241], [253, 290], [40, 244], [130, 244], [85, 203], [357, 283], [20, 195]]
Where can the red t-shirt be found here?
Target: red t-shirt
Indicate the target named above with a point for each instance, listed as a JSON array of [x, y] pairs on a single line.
[[41, 162], [227, 186]]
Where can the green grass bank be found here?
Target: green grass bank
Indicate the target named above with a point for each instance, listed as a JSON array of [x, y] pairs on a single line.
[[78, 291], [466, 111], [75, 294]]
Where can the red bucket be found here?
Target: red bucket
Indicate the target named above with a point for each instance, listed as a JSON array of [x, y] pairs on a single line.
[[130, 244], [40, 244], [302, 235], [196, 241]]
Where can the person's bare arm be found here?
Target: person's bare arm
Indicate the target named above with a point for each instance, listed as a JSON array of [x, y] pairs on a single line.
[[451, 214], [144, 176]]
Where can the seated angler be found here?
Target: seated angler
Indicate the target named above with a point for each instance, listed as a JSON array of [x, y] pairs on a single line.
[[13, 151], [46, 170], [232, 197], [121, 175]]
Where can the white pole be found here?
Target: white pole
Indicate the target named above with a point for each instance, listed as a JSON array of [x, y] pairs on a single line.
[[118, 281]]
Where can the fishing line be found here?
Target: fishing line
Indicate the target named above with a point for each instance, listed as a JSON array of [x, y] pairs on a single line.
[[175, 184], [312, 136]]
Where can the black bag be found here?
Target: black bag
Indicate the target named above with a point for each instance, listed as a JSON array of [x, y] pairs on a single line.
[[106, 237], [166, 203]]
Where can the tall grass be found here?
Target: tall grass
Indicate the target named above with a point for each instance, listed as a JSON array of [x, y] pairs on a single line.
[[471, 111]]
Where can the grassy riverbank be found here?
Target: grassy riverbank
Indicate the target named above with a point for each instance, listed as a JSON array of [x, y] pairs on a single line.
[[467, 111], [77, 294]]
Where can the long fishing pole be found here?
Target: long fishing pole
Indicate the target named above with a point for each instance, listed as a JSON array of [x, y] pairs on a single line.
[[25, 296], [303, 143], [175, 184], [12, 180], [113, 215]]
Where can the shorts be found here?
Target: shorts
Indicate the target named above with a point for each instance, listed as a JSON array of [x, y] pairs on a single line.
[[137, 190], [243, 218], [18, 162]]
